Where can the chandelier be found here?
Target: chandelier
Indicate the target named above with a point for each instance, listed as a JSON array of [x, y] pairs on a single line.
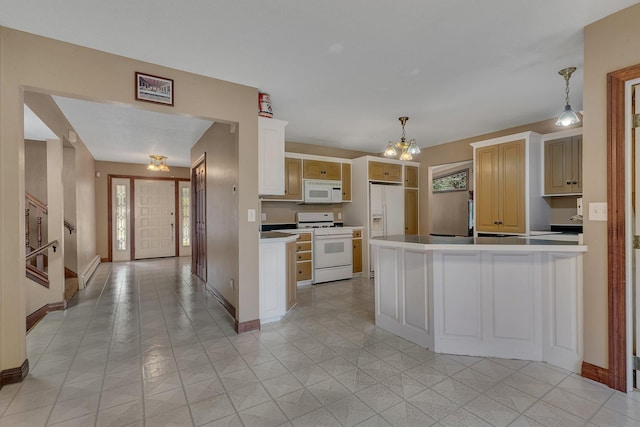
[[158, 163], [407, 149], [568, 117]]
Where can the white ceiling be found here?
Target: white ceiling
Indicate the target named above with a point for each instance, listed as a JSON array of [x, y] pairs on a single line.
[[342, 72]]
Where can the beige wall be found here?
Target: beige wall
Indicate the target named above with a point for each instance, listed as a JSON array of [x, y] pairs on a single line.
[[285, 212], [38, 64], [35, 160], [220, 146], [610, 44], [104, 169], [69, 184], [321, 150]]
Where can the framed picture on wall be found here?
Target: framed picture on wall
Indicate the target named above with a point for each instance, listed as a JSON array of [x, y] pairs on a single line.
[[154, 89], [454, 181]]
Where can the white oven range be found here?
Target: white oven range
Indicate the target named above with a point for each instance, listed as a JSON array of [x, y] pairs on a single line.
[[332, 246]]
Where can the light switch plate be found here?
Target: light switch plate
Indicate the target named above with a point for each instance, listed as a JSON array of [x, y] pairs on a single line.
[[251, 215], [598, 211]]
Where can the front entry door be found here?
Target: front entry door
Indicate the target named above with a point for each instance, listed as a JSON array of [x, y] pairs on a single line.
[[155, 219]]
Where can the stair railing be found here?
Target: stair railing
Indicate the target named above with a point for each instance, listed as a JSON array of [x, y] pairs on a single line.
[[34, 207]]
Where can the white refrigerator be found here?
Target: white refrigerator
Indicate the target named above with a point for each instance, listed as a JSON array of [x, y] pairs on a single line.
[[386, 214]]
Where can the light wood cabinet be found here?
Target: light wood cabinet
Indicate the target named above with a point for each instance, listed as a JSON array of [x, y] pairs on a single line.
[[411, 176], [304, 258], [292, 285], [357, 251], [500, 187], [319, 169], [292, 180], [563, 165], [346, 182], [380, 171], [410, 211], [271, 156]]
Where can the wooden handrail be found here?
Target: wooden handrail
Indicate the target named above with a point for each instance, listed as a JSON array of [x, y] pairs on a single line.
[[42, 249], [38, 204], [69, 226], [35, 202]]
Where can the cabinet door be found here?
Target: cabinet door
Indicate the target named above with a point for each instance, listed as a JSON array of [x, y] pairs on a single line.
[[486, 197], [346, 182], [270, 156], [293, 179], [357, 255], [411, 176], [380, 171], [332, 171], [376, 171], [410, 211], [393, 172], [558, 166], [576, 163], [511, 198], [303, 271], [312, 169], [292, 286]]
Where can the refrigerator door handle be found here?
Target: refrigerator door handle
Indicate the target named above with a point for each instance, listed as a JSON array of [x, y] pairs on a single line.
[[384, 220]]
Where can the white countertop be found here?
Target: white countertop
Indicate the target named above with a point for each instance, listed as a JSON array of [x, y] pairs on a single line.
[[510, 243], [276, 236]]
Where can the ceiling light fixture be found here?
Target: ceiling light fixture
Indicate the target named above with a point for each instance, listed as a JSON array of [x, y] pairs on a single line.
[[568, 117], [158, 163], [407, 149]]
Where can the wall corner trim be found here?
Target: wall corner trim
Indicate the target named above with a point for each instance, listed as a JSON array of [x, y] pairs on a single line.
[[223, 301], [248, 326], [14, 375], [595, 373]]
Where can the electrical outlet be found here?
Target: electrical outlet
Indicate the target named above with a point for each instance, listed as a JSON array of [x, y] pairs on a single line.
[[263, 216], [598, 211], [339, 215]]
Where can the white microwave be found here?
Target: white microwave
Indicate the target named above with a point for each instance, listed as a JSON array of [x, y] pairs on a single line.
[[322, 191]]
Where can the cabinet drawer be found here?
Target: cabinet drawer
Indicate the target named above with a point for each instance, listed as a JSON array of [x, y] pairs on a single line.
[[301, 247], [305, 237], [303, 256], [357, 234], [303, 271]]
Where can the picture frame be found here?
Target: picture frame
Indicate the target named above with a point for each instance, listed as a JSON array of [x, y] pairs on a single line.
[[450, 182], [150, 88]]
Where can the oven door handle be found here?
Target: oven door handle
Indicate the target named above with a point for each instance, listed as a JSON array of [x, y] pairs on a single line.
[[334, 237]]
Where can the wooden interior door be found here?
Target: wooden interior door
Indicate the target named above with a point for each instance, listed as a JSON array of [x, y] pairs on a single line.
[[155, 218], [199, 219]]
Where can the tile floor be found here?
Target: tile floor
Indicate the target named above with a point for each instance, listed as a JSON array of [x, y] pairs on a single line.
[[145, 345]]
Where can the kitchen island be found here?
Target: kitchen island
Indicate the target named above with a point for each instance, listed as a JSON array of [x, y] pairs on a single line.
[[508, 297]]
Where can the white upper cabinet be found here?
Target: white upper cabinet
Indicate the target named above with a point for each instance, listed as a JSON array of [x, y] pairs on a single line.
[[271, 156]]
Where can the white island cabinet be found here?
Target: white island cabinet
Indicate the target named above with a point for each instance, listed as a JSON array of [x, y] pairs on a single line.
[[277, 290], [507, 297]]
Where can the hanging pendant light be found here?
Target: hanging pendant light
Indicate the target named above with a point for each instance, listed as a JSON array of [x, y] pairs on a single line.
[[407, 149], [158, 163], [568, 117]]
